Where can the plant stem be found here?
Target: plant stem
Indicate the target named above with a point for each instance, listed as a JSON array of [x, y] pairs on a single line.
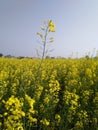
[[45, 41]]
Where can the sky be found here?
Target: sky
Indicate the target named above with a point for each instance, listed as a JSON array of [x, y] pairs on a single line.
[[76, 27]]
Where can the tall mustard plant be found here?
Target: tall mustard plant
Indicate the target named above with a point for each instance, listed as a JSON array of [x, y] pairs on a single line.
[[47, 28]]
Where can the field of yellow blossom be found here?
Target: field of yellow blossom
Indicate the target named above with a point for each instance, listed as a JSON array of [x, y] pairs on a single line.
[[60, 95]]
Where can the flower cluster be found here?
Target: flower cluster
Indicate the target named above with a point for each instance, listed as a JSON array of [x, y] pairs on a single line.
[[51, 26], [13, 113]]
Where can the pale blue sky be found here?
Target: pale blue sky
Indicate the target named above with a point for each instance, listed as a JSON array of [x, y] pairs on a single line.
[[76, 26]]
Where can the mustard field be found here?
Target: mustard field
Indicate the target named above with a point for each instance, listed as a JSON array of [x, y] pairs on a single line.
[[56, 94]]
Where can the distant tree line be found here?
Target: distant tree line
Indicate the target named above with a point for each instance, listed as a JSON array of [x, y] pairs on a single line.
[[47, 57], [1, 54]]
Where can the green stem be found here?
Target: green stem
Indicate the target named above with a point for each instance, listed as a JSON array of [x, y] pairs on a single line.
[[39, 70], [45, 41]]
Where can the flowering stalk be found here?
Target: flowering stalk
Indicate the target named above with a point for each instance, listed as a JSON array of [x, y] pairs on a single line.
[[48, 27]]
